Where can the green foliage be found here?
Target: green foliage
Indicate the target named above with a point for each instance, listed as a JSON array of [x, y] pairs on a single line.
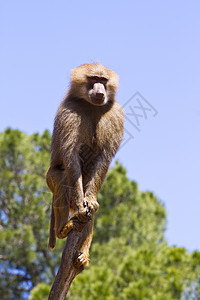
[[40, 292], [130, 258], [24, 211], [138, 217]]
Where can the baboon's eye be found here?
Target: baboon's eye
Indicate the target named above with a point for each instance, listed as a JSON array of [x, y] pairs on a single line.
[[94, 79], [103, 80]]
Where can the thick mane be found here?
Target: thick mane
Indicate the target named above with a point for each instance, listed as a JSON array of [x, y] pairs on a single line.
[[80, 74]]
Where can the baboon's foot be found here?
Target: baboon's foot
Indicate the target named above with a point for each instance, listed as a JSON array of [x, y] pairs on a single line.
[[72, 224], [81, 260]]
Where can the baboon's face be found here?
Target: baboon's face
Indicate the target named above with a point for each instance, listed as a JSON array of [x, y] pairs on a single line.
[[94, 83], [97, 93]]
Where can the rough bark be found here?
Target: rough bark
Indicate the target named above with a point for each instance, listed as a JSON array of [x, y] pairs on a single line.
[[67, 271]]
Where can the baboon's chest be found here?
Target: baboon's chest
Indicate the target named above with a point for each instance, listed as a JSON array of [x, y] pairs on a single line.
[[96, 132]]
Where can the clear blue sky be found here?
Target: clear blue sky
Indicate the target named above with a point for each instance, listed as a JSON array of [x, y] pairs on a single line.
[[154, 46]]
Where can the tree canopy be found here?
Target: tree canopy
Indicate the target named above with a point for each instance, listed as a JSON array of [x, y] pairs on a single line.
[[129, 257]]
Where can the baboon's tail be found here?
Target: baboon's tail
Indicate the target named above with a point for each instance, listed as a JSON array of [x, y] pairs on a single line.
[[52, 233]]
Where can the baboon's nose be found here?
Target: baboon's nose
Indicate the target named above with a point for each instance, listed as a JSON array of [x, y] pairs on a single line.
[[99, 96]]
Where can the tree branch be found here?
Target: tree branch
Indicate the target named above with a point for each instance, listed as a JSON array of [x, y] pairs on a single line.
[[67, 271]]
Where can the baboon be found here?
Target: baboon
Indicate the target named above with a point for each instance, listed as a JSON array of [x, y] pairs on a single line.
[[87, 132]]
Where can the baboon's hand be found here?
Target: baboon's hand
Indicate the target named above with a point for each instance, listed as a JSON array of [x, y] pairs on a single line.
[[81, 213], [91, 206]]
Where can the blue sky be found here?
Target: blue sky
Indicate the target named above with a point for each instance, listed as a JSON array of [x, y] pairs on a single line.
[[154, 46]]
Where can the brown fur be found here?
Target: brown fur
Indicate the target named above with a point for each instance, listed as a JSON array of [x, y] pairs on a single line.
[[85, 138]]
